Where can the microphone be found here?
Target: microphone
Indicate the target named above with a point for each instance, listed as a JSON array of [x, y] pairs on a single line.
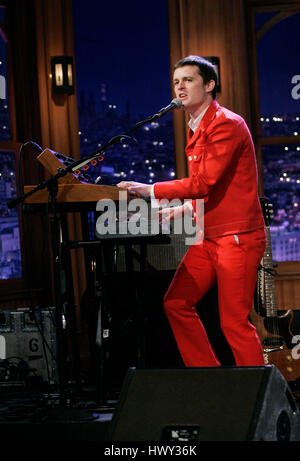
[[174, 104]]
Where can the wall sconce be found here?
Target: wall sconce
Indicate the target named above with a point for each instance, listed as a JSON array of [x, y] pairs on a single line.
[[216, 62], [62, 75]]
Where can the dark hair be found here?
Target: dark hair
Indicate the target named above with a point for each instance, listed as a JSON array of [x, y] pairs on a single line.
[[206, 69]]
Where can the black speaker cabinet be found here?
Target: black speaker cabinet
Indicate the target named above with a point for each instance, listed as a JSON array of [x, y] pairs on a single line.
[[205, 404]]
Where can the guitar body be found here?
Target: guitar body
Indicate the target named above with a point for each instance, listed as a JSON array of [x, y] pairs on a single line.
[[274, 327], [284, 361], [276, 338]]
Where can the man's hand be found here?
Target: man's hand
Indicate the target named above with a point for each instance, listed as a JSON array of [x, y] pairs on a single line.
[[137, 189], [167, 215]]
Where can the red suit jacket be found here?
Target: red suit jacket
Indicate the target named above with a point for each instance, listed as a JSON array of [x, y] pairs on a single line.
[[222, 171]]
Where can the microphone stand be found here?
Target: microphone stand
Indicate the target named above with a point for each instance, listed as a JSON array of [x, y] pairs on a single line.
[[77, 164], [52, 186]]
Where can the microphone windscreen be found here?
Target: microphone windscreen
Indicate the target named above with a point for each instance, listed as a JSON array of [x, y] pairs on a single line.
[[177, 101]]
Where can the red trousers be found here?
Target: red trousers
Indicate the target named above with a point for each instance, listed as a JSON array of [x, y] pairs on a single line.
[[231, 262]]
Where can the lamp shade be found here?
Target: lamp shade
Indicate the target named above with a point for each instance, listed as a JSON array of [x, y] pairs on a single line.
[[62, 75]]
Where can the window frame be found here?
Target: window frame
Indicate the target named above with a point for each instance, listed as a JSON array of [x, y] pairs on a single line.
[[286, 270], [14, 286]]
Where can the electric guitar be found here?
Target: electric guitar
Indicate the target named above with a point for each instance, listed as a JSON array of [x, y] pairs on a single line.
[[274, 327]]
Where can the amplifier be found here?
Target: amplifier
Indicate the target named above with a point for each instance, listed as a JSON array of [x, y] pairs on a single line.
[[28, 335], [159, 256]]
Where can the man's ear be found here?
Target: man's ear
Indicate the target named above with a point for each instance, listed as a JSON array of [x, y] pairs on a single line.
[[210, 86]]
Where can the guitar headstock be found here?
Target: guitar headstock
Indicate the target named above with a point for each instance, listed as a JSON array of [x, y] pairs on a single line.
[[267, 209]]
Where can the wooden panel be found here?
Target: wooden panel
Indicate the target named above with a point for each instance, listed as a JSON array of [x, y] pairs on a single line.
[[288, 285], [209, 28], [58, 113], [55, 32]]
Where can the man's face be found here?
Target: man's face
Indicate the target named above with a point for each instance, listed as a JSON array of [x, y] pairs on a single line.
[[191, 90]]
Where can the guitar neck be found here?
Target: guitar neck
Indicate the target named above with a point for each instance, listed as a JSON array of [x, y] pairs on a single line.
[[266, 280]]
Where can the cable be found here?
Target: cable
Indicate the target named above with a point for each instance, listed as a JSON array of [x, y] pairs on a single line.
[[20, 172]]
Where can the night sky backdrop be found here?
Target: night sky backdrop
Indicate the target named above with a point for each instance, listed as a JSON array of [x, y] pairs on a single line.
[[125, 45]]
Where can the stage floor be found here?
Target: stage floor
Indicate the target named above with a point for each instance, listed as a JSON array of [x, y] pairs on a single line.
[[34, 415]]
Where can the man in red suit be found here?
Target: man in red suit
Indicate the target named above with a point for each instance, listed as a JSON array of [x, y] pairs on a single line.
[[222, 172]]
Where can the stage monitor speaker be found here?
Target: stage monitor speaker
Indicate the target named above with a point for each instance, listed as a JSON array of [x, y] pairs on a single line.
[[205, 404]]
